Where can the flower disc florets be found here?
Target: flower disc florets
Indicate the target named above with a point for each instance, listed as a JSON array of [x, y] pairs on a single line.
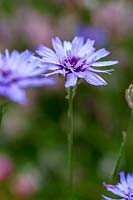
[[74, 60]]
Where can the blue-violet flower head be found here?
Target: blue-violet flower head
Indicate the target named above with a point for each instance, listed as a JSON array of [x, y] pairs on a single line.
[[74, 60], [123, 189], [19, 71]]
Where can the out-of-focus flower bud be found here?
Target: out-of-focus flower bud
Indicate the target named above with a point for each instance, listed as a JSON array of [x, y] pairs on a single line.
[[129, 96], [6, 167]]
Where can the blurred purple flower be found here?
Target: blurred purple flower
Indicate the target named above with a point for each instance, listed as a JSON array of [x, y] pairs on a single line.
[[124, 188], [25, 185], [38, 29], [99, 34], [116, 17], [18, 71], [75, 60]]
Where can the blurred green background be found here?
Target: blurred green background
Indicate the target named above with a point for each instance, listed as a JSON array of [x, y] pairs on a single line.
[[33, 140]]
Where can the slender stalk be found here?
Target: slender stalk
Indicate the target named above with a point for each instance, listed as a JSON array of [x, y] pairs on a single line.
[[3, 185], [70, 141], [2, 110], [122, 149]]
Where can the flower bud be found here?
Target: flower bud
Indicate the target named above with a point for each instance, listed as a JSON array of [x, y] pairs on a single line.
[[129, 96]]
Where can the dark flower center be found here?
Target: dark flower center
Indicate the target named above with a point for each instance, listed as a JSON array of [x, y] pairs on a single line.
[[6, 72], [131, 196], [74, 61], [69, 64], [7, 77]]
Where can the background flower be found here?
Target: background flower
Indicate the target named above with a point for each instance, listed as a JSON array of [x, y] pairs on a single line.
[[99, 34], [19, 71], [6, 167], [123, 189]]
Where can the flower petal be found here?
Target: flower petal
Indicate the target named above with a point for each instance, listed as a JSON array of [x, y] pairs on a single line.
[[77, 44], [7, 54], [23, 57], [97, 55], [121, 187], [123, 179], [16, 94], [81, 74], [67, 45], [107, 71], [107, 198], [104, 63], [71, 80], [114, 189], [36, 82], [57, 45], [129, 179], [86, 48], [38, 71], [55, 72], [21, 62], [51, 66], [94, 79], [47, 54]]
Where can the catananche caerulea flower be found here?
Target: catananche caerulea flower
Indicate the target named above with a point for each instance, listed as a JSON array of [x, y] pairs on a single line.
[[75, 60], [124, 188], [19, 71]]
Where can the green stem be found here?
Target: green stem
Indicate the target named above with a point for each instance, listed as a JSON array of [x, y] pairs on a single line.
[[70, 140], [3, 186], [122, 149], [2, 111]]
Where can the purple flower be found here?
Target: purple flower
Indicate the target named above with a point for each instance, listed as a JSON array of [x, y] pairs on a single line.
[[75, 60], [99, 34], [124, 188], [19, 71]]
